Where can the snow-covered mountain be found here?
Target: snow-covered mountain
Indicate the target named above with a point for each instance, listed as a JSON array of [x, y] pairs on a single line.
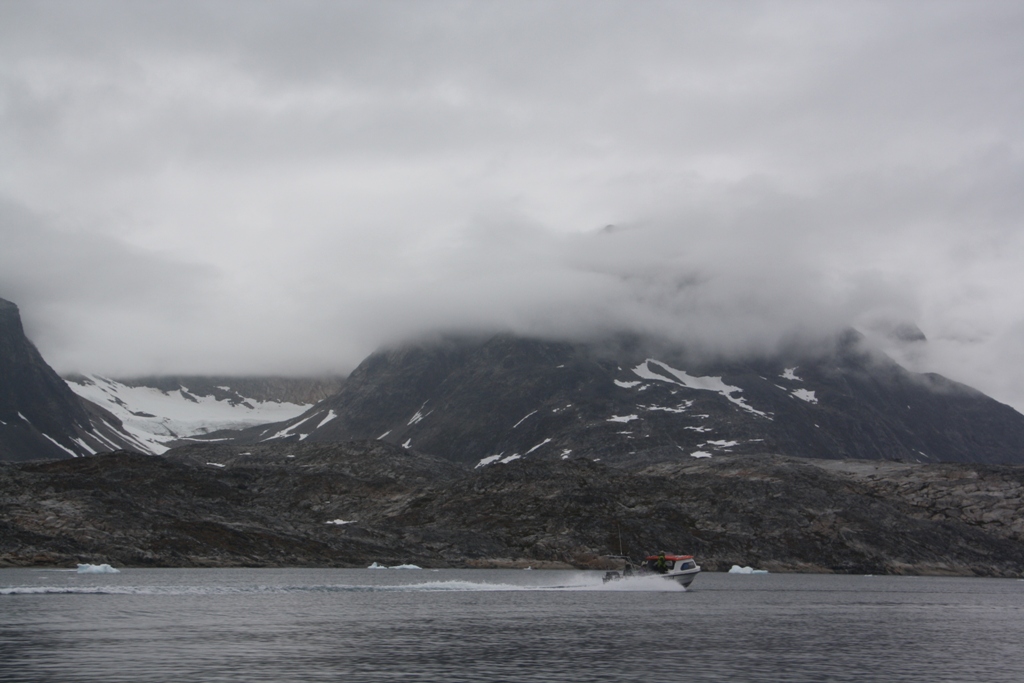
[[159, 412], [488, 401]]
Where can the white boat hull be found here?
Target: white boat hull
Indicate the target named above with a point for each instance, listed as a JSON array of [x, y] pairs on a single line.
[[683, 578]]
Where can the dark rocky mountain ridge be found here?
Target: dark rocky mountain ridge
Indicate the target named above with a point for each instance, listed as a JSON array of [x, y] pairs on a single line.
[[352, 504], [40, 417], [480, 401]]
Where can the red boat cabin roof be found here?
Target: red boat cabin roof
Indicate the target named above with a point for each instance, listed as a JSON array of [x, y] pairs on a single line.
[[671, 558]]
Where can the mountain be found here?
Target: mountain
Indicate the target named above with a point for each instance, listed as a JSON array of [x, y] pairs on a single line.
[[503, 398], [164, 410], [40, 417]]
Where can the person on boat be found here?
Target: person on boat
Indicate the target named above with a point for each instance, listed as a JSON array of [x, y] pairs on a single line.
[[661, 566]]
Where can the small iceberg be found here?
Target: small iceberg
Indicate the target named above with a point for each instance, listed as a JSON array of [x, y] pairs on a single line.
[[397, 566], [736, 569], [97, 569]]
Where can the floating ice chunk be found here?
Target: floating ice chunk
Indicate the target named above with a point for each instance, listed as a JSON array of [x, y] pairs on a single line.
[[736, 569], [340, 522], [683, 379], [626, 385], [700, 454], [97, 569], [216, 464], [790, 373], [623, 418], [805, 395]]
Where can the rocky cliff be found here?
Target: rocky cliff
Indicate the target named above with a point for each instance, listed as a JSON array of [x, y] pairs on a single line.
[[352, 504]]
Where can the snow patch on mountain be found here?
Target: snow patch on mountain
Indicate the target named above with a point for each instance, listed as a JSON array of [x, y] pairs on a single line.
[[154, 417], [715, 384], [805, 395], [790, 374]]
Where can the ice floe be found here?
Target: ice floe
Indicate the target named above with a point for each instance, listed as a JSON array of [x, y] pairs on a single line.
[[714, 384], [96, 569]]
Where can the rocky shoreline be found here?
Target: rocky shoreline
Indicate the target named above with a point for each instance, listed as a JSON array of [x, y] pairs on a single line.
[[347, 505]]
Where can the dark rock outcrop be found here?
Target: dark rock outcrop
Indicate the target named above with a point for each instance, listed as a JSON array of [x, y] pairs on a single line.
[[352, 504]]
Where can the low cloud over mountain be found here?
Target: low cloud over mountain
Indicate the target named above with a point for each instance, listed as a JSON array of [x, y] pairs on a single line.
[[235, 188]]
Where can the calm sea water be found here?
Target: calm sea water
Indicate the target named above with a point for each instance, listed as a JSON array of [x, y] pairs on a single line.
[[230, 625]]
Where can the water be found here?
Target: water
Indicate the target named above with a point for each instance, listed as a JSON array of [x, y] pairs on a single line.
[[226, 625]]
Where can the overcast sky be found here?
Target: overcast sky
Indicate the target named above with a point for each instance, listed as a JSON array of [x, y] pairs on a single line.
[[280, 187]]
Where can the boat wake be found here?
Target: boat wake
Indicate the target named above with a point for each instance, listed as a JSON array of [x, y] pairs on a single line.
[[646, 584]]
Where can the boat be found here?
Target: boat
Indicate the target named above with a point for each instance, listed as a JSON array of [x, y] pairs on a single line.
[[682, 569]]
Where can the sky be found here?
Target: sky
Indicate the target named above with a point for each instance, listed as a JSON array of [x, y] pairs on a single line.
[[282, 187]]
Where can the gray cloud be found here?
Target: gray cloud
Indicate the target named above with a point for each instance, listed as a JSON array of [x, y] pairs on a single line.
[[261, 187]]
